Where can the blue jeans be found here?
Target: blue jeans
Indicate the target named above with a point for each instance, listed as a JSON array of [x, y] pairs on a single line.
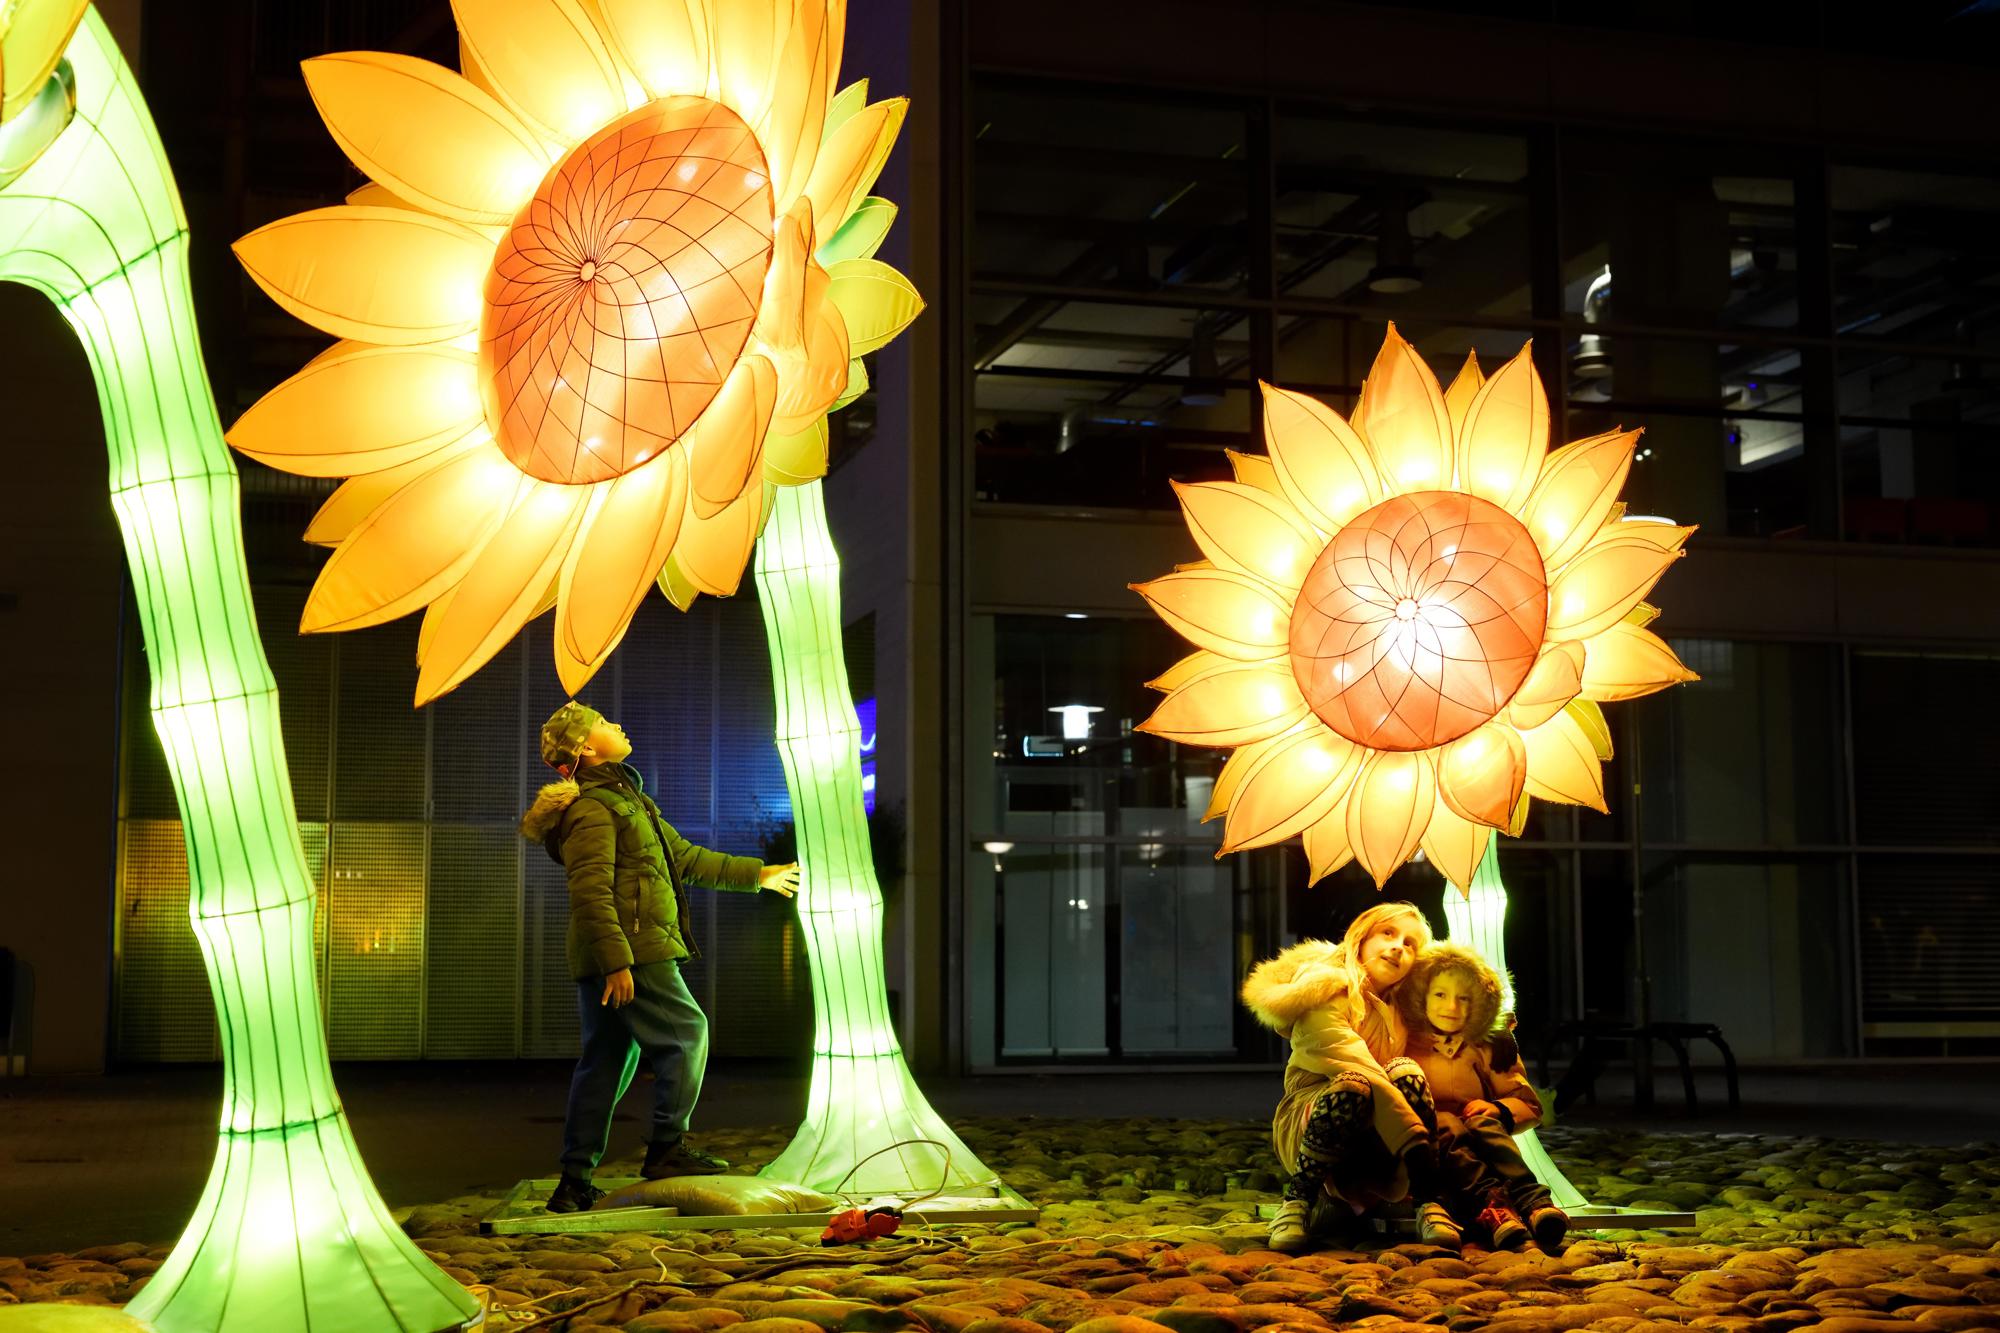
[[665, 1025]]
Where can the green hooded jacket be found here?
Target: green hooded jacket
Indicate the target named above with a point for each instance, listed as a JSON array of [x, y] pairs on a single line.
[[627, 870]]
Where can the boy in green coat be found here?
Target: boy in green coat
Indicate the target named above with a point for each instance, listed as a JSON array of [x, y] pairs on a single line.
[[628, 931]]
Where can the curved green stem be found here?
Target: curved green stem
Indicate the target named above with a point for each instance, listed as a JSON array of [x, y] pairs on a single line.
[[289, 1232], [862, 1099], [1480, 921]]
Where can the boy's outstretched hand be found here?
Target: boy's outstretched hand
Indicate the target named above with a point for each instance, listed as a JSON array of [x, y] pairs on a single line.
[[782, 879]]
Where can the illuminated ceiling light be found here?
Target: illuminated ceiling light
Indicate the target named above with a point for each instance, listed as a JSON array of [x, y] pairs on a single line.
[[1076, 720], [1592, 358], [1395, 272], [1075, 615], [1406, 622]]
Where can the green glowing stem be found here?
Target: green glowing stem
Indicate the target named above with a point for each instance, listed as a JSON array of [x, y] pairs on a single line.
[[862, 1099], [289, 1233], [1480, 922]]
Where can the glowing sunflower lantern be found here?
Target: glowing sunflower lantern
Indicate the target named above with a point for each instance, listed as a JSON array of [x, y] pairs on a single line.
[[1407, 621], [602, 292]]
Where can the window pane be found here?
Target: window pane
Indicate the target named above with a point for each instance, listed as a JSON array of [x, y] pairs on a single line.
[[1912, 256], [1930, 930], [1919, 436], [1926, 749]]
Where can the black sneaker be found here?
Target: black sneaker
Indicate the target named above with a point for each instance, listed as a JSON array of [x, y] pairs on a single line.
[[574, 1195], [679, 1158]]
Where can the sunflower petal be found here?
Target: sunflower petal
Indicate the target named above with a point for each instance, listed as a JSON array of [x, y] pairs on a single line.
[[1481, 774], [781, 315], [1247, 530], [862, 234], [624, 544], [1463, 389], [1574, 492], [1256, 470], [712, 551], [875, 300], [846, 104], [1600, 587], [810, 383], [725, 444], [1409, 427], [1505, 435], [1389, 810], [850, 160], [428, 134], [1563, 764], [1231, 706], [1456, 847], [546, 61], [1656, 532], [1197, 663], [1223, 611], [790, 127], [1327, 847], [1322, 464], [1590, 719], [795, 459], [504, 585], [1293, 786], [665, 43], [1553, 681], [857, 384], [1626, 661], [1237, 767], [414, 545], [382, 275], [675, 586], [357, 497], [749, 34], [363, 409]]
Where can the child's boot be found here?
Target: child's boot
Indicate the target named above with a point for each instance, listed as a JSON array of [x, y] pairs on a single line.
[[1550, 1224], [1499, 1220], [1435, 1227], [1288, 1229]]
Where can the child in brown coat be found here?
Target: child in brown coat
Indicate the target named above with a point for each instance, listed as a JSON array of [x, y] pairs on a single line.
[[1450, 1007]]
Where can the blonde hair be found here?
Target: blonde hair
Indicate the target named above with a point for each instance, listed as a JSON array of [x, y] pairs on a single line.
[[1348, 957]]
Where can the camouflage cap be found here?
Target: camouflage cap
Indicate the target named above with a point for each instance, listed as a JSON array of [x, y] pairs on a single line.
[[564, 734]]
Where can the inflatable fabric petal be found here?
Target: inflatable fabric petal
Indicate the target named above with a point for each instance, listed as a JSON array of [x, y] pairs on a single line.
[[1552, 682], [362, 409], [1563, 764], [1463, 389], [427, 134], [357, 497], [1257, 470], [1226, 612], [1391, 806], [797, 458], [624, 544], [1481, 775], [1326, 843], [1294, 785], [1247, 530], [1505, 435], [546, 60], [1601, 586], [725, 443], [1322, 464], [1456, 847], [1231, 705], [665, 43], [1627, 661], [850, 160], [1575, 491], [791, 125], [874, 300], [1197, 663], [711, 551], [382, 275], [1409, 428], [862, 234]]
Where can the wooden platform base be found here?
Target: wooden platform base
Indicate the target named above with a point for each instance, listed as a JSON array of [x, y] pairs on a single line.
[[525, 1210]]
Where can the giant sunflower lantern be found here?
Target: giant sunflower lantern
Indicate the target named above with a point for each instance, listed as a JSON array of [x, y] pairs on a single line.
[[1407, 620], [598, 299]]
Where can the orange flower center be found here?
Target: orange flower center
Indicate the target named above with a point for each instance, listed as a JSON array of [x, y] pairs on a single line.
[[624, 292], [1420, 620]]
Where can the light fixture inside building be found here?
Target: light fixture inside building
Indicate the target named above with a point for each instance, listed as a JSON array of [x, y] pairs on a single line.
[[1202, 389], [1395, 272], [1592, 358], [1076, 720]]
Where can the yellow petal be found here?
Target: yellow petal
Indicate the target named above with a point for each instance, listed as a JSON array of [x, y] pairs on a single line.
[[1574, 493], [861, 235], [1655, 532], [1223, 611], [676, 587], [850, 160], [363, 409], [1552, 682], [1409, 428], [801, 86], [1463, 389], [427, 133], [1505, 435], [1390, 809], [1233, 705], [380, 275], [712, 551], [1256, 470], [748, 36], [1199, 662], [875, 300], [795, 459], [1323, 466], [1293, 786], [1456, 847], [781, 316], [1627, 661], [1481, 774], [414, 545], [725, 444], [1642, 615], [372, 195], [857, 384], [664, 42], [1235, 769], [1590, 720], [1563, 764], [546, 61], [33, 36], [356, 498], [433, 617], [1247, 530], [1601, 586], [810, 383], [1327, 847], [624, 543], [503, 587], [846, 104]]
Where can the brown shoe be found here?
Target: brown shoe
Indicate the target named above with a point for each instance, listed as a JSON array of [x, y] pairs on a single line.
[[679, 1158]]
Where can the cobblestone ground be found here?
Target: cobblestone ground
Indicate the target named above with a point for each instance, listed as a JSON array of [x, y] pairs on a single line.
[[1151, 1227]]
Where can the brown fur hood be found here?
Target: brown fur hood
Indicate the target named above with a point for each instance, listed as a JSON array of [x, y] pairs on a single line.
[[550, 802], [1282, 990], [1487, 990]]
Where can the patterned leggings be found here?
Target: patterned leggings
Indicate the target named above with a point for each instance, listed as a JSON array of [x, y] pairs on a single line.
[[1339, 1137]]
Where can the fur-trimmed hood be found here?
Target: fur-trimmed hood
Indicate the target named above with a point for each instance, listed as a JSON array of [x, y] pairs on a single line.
[[1485, 1020], [547, 810], [1282, 990]]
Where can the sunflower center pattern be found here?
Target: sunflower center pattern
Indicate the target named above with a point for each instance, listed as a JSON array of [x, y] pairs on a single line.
[[1419, 621], [625, 290]]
